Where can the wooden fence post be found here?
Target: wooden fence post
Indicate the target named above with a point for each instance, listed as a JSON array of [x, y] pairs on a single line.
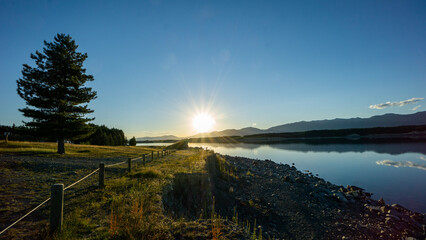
[[158, 154], [143, 160], [56, 207], [129, 164], [152, 155], [101, 175]]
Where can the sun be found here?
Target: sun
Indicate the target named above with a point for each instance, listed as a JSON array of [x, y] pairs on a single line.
[[203, 122]]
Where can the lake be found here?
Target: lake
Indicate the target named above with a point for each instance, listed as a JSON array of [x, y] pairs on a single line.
[[394, 171], [154, 144]]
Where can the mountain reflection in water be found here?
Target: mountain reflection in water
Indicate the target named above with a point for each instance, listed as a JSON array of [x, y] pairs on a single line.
[[394, 171], [389, 148]]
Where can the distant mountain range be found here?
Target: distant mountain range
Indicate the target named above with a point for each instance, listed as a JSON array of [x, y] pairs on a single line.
[[386, 120], [160, 138]]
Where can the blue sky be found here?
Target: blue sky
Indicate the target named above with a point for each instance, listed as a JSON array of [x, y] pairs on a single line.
[[248, 63]]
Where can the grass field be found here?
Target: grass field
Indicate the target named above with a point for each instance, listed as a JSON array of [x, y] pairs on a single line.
[[129, 207], [45, 149]]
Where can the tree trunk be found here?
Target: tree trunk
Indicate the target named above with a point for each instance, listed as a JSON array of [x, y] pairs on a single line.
[[61, 146]]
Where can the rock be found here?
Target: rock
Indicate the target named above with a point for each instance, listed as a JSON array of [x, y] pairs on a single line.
[[395, 213], [384, 209], [374, 208], [417, 217], [300, 180], [381, 202], [340, 197], [288, 179], [355, 188], [392, 216], [354, 194], [417, 225], [397, 206]]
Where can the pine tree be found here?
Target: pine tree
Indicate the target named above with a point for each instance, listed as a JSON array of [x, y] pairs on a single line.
[[55, 94], [132, 141]]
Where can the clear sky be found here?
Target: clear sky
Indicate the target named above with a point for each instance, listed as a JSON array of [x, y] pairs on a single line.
[[248, 63]]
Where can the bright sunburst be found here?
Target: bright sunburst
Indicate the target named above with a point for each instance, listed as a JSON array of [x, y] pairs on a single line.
[[203, 122]]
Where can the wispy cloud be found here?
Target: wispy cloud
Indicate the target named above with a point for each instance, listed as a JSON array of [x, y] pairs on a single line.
[[416, 107], [395, 104], [422, 158], [401, 164]]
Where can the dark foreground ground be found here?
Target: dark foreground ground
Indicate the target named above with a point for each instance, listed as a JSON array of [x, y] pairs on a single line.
[[289, 204]]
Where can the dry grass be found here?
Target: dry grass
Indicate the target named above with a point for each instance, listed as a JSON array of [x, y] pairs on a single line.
[[48, 149], [129, 207]]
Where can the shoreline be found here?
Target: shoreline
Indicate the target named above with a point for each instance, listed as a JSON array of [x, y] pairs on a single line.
[[290, 204]]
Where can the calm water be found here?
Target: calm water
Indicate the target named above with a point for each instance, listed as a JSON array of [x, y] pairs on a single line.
[[396, 172], [153, 144]]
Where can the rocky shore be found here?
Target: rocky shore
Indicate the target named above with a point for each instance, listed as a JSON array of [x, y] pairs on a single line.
[[289, 204]]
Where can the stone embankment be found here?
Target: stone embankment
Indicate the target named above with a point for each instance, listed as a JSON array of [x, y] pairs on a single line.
[[289, 204]]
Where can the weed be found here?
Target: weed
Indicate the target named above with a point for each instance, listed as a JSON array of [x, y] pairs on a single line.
[[113, 227]]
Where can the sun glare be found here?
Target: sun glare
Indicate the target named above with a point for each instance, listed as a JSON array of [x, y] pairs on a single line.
[[203, 122]]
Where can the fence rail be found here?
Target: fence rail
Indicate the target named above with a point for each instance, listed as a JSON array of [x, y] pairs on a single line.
[[57, 225]]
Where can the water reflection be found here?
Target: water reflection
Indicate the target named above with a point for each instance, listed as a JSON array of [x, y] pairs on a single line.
[[388, 148], [400, 178], [402, 164]]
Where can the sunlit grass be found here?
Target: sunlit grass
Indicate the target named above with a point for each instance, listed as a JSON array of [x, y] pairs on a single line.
[[72, 150], [129, 207]]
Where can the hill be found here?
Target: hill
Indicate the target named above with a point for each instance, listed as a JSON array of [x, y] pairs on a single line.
[[160, 138], [386, 120]]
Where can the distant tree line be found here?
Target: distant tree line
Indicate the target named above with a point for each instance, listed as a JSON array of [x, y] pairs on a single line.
[[105, 136], [102, 135], [17, 133]]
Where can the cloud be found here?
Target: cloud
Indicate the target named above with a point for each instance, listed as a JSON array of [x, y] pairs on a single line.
[[422, 158], [254, 124], [401, 164], [416, 107], [395, 104]]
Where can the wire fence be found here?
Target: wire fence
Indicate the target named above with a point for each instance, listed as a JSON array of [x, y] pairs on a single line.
[[163, 153]]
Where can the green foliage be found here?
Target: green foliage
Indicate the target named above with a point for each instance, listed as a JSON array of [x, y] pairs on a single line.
[[132, 141], [55, 94], [18, 133], [105, 136]]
